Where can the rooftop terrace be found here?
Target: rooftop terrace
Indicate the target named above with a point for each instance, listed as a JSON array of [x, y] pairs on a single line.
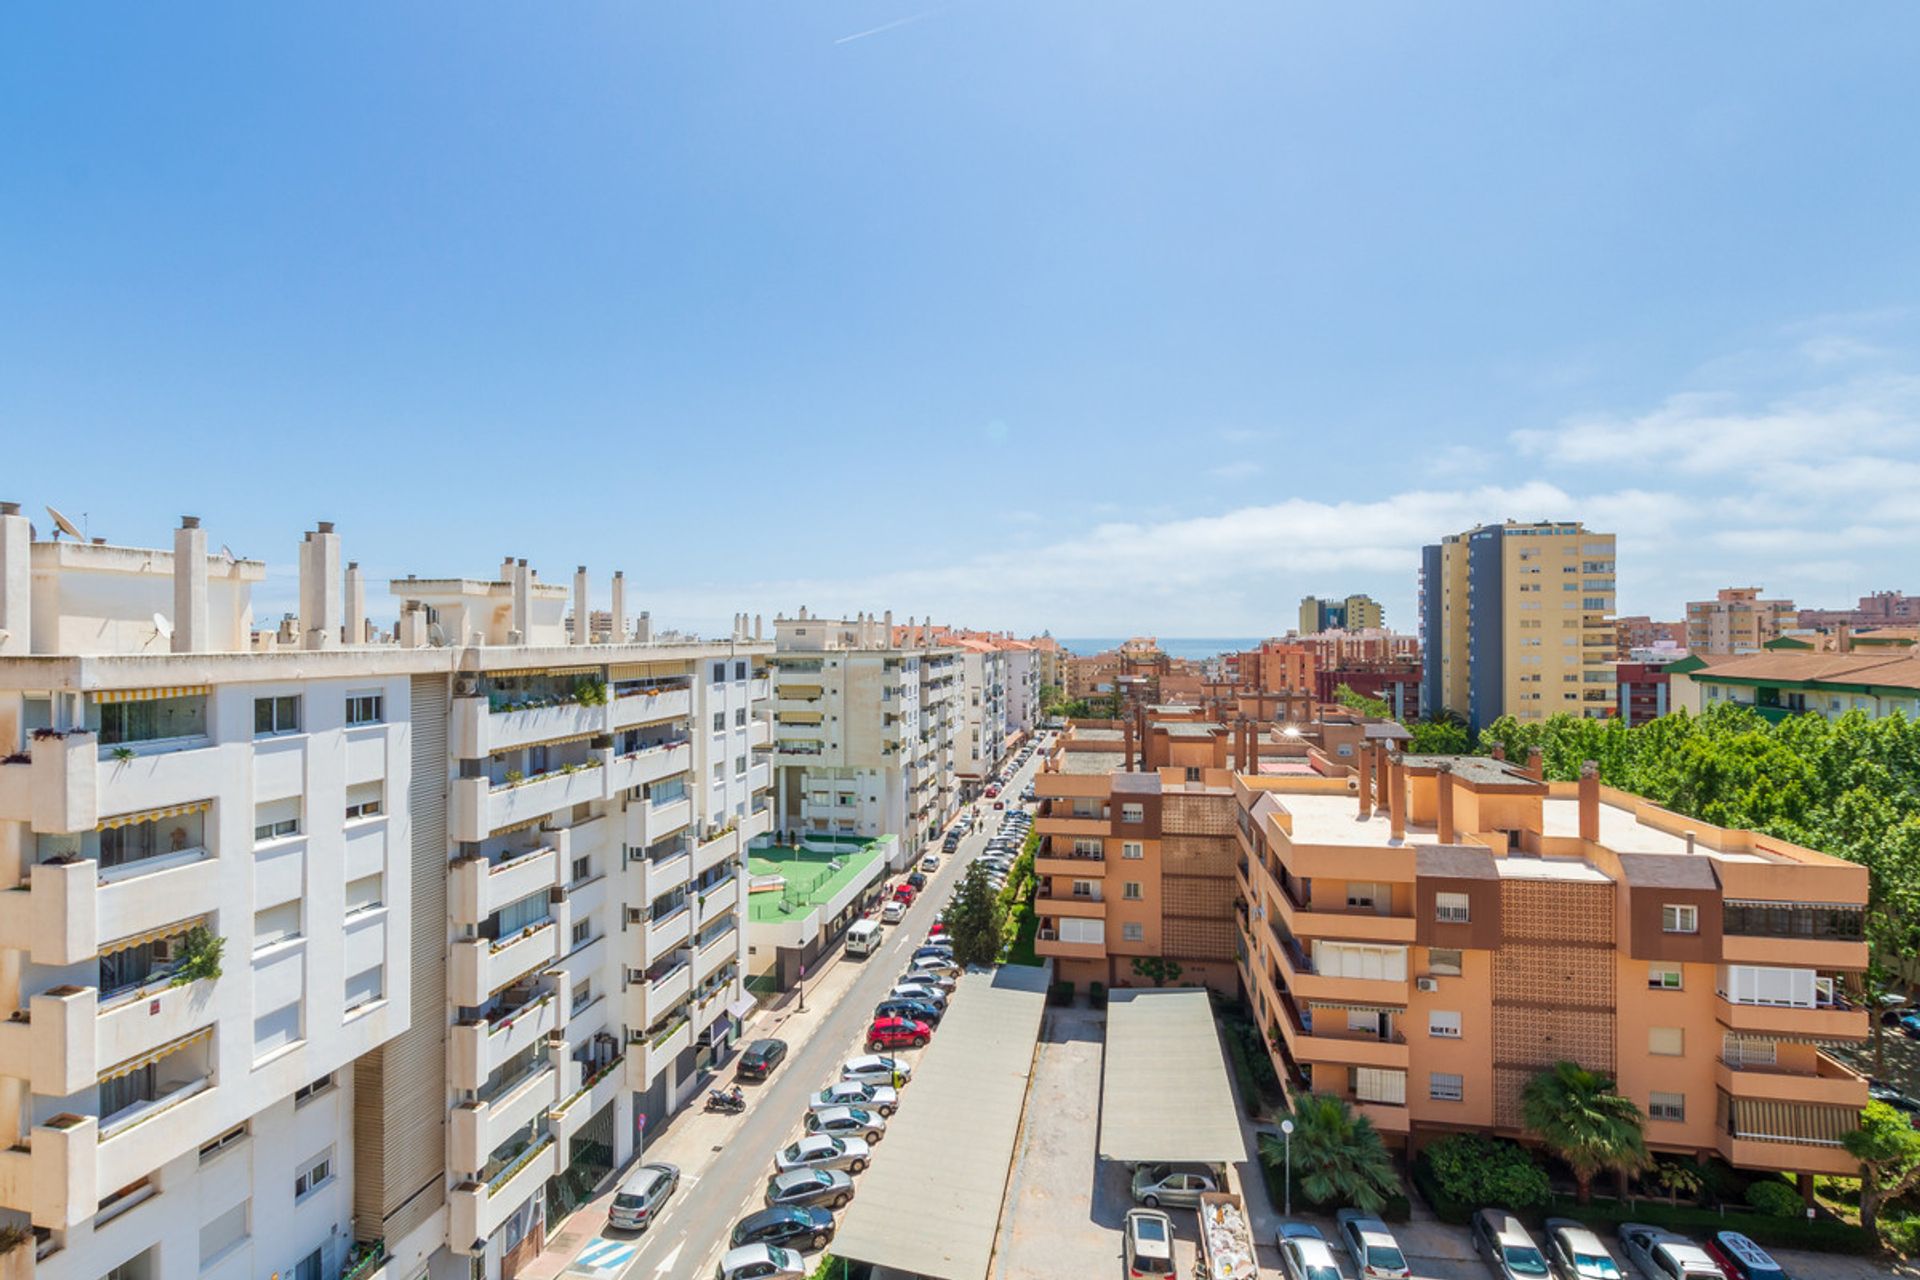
[[812, 876]]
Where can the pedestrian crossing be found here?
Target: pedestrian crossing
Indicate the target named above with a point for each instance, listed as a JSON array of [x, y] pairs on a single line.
[[603, 1257]]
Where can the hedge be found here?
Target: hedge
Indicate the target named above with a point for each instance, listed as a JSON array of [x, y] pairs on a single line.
[[1060, 993], [1826, 1234], [1444, 1206], [1097, 994]]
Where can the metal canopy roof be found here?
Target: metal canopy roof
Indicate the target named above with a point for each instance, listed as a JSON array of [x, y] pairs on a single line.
[[929, 1205], [1165, 1094]]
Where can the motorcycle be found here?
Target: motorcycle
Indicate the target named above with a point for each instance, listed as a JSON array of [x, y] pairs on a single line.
[[728, 1101]]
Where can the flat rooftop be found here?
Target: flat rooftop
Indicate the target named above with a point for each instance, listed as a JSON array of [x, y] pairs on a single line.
[[1080, 734], [1092, 762], [1622, 832], [1550, 869], [812, 876]]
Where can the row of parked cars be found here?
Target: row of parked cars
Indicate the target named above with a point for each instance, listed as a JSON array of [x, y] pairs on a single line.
[[1573, 1251], [1002, 851], [814, 1175]]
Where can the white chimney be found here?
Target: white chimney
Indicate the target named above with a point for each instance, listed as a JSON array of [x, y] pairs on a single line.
[[645, 635], [756, 626], [190, 587], [582, 632], [320, 607], [522, 611], [355, 631], [16, 582]]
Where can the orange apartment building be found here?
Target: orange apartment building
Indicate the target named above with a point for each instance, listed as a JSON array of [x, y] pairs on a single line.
[[1425, 935]]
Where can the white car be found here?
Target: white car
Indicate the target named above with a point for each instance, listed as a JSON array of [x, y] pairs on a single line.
[[760, 1262], [893, 912], [1304, 1253], [853, 1093], [1575, 1252], [876, 1068], [1376, 1254], [1662, 1255], [822, 1151]]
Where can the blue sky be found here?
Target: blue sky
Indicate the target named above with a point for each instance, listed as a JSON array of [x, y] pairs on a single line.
[[1103, 317]]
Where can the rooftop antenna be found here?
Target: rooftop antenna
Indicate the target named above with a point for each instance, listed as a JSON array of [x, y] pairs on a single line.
[[64, 525]]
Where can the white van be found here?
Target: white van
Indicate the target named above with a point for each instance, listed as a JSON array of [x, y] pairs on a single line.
[[863, 938]]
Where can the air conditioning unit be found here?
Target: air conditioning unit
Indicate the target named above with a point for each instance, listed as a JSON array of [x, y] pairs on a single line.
[[1426, 984], [166, 950]]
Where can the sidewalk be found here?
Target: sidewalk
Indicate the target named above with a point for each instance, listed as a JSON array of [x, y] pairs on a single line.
[[692, 1137]]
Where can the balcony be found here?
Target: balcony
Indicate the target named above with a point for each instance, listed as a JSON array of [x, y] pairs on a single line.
[[1353, 924], [650, 706], [58, 791], [759, 689], [1837, 1021], [159, 774], [667, 932], [717, 901], [141, 1138], [1336, 1045], [476, 732], [709, 854], [476, 1129], [648, 765], [716, 951], [1085, 908], [476, 968], [597, 1088], [1047, 943], [665, 873], [512, 803], [1387, 1117], [1303, 979], [477, 1209], [475, 1050], [1073, 865], [1830, 1082], [648, 1000], [671, 1040], [476, 888], [650, 823], [71, 907]]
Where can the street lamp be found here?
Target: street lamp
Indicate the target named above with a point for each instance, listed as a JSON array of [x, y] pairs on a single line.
[[1286, 1132]]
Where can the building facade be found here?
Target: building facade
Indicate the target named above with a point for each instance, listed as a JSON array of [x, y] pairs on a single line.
[[1880, 609], [1426, 942], [1737, 620], [1638, 631], [1784, 683], [1354, 613], [1517, 619], [332, 952]]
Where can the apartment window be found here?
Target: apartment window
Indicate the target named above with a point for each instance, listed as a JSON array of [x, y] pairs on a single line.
[[365, 893], [224, 1142], [1667, 1042], [363, 800], [582, 995], [1663, 977], [739, 671], [1131, 891], [719, 722], [1087, 849], [312, 1089], [311, 1266], [276, 1029], [1361, 895], [1679, 918], [1443, 962], [276, 819], [1132, 849], [317, 1173], [740, 718], [1451, 908], [1442, 1024], [739, 765], [1741, 1052], [1666, 1106], [365, 987], [364, 708], [1133, 932], [582, 868], [1133, 813], [719, 770], [719, 673], [1086, 889], [1445, 1086], [276, 924], [273, 716]]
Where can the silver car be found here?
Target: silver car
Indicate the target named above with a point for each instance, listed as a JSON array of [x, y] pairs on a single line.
[[854, 1093], [1662, 1255], [1576, 1253], [1505, 1244], [823, 1151], [1305, 1254], [1376, 1254], [847, 1122]]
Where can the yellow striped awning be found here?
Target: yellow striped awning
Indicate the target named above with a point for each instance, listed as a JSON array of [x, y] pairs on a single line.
[[148, 695], [521, 826], [152, 935], [153, 815], [154, 1055], [798, 717], [543, 671]]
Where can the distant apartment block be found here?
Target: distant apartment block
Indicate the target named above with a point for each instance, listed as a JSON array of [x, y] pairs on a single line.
[[1880, 609], [1644, 689], [478, 887], [1423, 937], [1641, 632], [1736, 620], [1517, 619], [1275, 666], [1354, 613], [1374, 664]]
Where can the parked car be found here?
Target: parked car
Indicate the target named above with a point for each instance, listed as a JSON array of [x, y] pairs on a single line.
[[1376, 1254], [917, 880], [910, 1009], [1576, 1253], [939, 981], [993, 791], [760, 1262], [1176, 1185], [760, 1058], [876, 1068], [938, 932], [1305, 1254], [1149, 1244], [1662, 1255], [896, 1033], [1881, 1091], [855, 1122], [933, 951], [791, 1226], [883, 1098], [829, 1187], [930, 863], [1507, 1247], [823, 1151], [893, 911], [922, 992], [935, 971], [1741, 1258], [903, 892], [642, 1195]]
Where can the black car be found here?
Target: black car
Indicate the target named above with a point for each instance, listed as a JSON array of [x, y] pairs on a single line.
[[916, 1010], [789, 1225], [917, 880], [760, 1058]]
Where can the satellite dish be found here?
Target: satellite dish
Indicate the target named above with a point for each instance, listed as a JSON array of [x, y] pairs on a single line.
[[227, 551], [65, 526], [161, 625]]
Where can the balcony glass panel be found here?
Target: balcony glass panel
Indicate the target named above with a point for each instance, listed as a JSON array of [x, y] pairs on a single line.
[[152, 720]]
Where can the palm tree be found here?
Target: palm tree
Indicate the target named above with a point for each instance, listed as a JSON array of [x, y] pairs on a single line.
[[1580, 1118], [1338, 1153]]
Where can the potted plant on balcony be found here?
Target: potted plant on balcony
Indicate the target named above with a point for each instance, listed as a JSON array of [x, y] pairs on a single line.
[[200, 953]]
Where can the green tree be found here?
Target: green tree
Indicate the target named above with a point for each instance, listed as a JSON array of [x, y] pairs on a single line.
[[1581, 1119], [1338, 1157], [1348, 697], [1438, 737], [1888, 1149], [973, 920], [1160, 969], [1477, 1170]]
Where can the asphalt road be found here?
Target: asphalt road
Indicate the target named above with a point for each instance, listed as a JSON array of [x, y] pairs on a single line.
[[690, 1236]]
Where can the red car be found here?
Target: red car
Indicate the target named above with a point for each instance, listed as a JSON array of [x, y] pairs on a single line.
[[939, 930], [896, 1033], [903, 892], [992, 792]]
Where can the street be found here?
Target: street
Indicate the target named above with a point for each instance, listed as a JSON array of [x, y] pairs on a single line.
[[725, 1176]]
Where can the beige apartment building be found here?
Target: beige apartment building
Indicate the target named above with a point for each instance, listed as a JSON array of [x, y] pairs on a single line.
[[1517, 619], [1737, 620], [1424, 936]]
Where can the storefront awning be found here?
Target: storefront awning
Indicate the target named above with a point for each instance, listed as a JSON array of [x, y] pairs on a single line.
[[153, 815], [148, 695], [740, 1008]]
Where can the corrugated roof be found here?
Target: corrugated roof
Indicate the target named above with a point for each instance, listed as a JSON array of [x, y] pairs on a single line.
[[930, 1203], [1165, 1095]]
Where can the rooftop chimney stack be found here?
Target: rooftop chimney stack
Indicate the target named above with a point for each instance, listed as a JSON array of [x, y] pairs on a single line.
[[1443, 780], [1537, 764], [520, 616], [756, 626], [16, 582], [356, 628], [645, 635], [1590, 802], [190, 587], [413, 626], [617, 624], [582, 618], [1363, 769], [1396, 781], [1690, 838], [320, 579]]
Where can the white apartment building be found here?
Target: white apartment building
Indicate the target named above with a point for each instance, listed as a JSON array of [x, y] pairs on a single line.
[[1022, 662], [864, 731], [475, 892], [983, 736]]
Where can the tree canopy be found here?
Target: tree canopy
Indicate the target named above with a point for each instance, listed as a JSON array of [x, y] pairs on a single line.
[[1338, 1156], [973, 919], [1579, 1116]]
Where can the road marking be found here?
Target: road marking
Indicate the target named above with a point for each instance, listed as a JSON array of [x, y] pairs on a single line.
[[666, 1263], [604, 1255]]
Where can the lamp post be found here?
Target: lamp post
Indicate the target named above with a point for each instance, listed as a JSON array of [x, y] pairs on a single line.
[[1286, 1133]]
